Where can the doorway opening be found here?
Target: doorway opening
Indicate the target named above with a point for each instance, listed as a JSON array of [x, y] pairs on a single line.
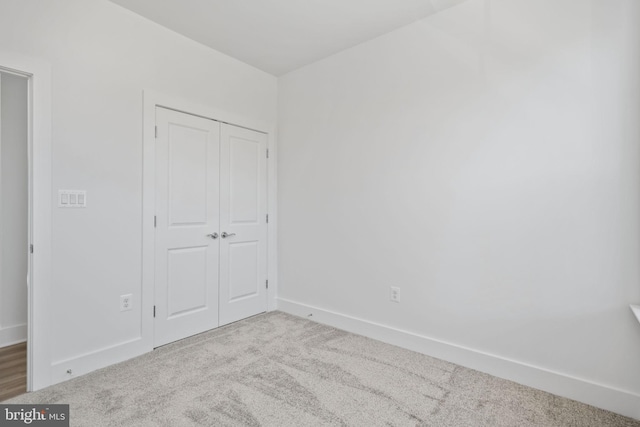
[[14, 232], [37, 74]]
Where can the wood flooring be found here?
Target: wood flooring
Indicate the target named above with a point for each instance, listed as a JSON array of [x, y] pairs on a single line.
[[13, 371]]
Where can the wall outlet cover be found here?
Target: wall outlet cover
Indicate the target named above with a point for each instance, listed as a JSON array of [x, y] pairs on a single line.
[[126, 302], [394, 294]]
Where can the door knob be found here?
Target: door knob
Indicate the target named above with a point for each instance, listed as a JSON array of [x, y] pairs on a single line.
[[225, 234], [213, 235]]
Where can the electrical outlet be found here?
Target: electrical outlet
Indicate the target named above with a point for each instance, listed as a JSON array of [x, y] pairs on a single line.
[[126, 302], [394, 294]]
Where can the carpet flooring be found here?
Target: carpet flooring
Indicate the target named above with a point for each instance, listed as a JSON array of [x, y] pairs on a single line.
[[279, 370]]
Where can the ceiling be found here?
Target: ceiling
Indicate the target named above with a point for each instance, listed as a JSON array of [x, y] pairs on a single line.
[[278, 36]]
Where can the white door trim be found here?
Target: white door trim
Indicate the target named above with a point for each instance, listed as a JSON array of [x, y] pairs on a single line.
[[40, 213], [151, 100]]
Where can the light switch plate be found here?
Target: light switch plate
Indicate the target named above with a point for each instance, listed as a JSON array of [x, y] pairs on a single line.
[[72, 199]]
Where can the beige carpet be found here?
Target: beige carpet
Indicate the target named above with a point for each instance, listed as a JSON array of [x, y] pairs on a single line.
[[279, 370]]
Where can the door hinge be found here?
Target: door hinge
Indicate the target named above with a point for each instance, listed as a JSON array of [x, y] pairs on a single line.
[[154, 311], [31, 248], [267, 153], [267, 284], [155, 221], [156, 131], [267, 218]]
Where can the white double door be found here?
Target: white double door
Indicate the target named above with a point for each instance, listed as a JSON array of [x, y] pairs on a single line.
[[211, 232]]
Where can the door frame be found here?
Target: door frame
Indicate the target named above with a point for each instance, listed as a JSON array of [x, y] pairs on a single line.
[[151, 100], [40, 213]]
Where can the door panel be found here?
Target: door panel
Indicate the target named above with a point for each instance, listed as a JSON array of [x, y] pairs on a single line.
[[187, 210], [187, 281], [187, 176], [243, 209], [244, 274], [244, 182]]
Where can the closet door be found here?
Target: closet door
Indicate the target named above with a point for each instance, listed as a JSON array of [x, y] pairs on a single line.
[[243, 223], [187, 220]]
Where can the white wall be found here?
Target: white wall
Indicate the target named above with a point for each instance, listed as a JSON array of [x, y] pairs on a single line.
[[485, 160], [13, 208], [102, 57]]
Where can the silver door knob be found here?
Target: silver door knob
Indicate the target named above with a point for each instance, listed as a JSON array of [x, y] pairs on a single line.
[[225, 234], [213, 235]]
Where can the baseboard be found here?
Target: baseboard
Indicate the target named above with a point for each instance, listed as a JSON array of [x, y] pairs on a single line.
[[602, 396], [98, 359], [13, 335]]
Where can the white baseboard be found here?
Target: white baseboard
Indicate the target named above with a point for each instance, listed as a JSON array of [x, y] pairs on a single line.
[[602, 396], [13, 335], [98, 359]]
